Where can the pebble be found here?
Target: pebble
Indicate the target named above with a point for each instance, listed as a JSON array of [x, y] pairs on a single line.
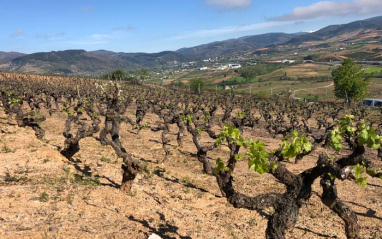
[[154, 236]]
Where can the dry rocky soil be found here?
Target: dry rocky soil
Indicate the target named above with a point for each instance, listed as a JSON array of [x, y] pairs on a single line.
[[45, 195]]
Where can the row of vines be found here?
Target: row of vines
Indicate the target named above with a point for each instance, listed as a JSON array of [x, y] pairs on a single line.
[[98, 108]]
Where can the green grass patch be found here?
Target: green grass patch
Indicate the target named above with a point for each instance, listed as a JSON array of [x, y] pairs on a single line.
[[238, 80], [372, 69]]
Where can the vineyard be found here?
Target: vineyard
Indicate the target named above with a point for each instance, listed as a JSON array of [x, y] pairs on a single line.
[[88, 158]]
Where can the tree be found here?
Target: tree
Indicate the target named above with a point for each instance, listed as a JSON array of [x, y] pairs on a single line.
[[141, 75], [116, 75], [349, 82], [196, 85], [248, 73]]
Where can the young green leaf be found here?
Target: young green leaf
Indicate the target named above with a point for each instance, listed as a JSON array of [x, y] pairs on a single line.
[[220, 167]]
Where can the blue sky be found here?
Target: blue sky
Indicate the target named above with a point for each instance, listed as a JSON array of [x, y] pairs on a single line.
[[156, 25]]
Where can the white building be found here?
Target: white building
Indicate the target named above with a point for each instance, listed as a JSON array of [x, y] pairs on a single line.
[[234, 66]]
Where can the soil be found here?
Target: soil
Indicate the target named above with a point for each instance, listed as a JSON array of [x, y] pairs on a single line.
[[45, 195]]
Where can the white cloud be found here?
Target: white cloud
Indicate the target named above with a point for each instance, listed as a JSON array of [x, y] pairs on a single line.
[[127, 28], [51, 37], [101, 36], [18, 33], [228, 5], [95, 39], [227, 30], [331, 8]]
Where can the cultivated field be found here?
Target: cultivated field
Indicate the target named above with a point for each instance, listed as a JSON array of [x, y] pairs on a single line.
[[46, 195]]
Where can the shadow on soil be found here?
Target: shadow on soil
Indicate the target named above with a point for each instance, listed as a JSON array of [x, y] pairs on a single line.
[[159, 172], [369, 213], [86, 170], [316, 233], [164, 229]]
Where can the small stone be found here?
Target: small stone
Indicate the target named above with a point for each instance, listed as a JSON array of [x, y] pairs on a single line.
[[53, 229], [154, 236]]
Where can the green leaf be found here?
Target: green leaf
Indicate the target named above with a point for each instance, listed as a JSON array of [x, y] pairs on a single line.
[[335, 139], [218, 141], [371, 171], [187, 119], [307, 145], [220, 167], [231, 134], [239, 157], [299, 144], [332, 177], [240, 142], [368, 136], [361, 181], [258, 157], [358, 171], [273, 166], [346, 124], [240, 114]]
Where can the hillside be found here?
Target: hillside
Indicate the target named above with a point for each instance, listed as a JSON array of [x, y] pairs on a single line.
[[333, 31], [362, 40], [247, 43], [81, 62], [9, 56]]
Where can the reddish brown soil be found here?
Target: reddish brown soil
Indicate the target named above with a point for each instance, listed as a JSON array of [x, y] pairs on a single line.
[[42, 194]]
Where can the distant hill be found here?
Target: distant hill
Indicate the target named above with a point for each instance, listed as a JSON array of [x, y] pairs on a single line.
[[247, 43], [97, 62], [81, 62], [332, 31], [67, 62], [9, 56]]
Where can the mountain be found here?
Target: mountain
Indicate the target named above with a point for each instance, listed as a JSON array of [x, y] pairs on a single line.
[[67, 62], [9, 56], [247, 43], [81, 62], [332, 31], [97, 62]]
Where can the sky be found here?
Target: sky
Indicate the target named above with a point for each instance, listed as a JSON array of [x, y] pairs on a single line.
[[30, 26]]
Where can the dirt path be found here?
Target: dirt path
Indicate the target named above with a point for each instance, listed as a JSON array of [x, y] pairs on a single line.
[[294, 91]]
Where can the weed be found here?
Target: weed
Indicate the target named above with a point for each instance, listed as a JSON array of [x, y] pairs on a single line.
[[9, 178], [67, 171], [44, 197], [69, 198], [159, 172], [145, 169], [85, 180], [133, 193], [6, 149], [252, 222], [104, 159], [187, 181], [23, 170], [199, 194]]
